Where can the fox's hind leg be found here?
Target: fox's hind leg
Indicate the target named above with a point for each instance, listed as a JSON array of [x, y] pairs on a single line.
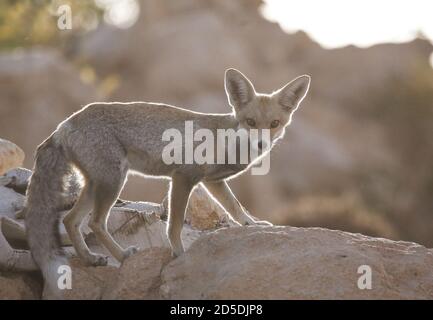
[[106, 193], [100, 157], [73, 222]]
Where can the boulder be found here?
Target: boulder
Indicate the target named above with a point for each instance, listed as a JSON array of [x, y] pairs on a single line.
[[255, 263], [10, 202], [204, 213], [16, 179], [297, 263], [11, 156], [88, 283], [16, 286], [140, 276]]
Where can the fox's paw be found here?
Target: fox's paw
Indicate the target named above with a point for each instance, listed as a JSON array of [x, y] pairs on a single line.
[[177, 252], [129, 252], [262, 223], [97, 260], [174, 255]]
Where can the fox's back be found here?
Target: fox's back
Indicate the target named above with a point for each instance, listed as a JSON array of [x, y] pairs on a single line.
[[137, 128]]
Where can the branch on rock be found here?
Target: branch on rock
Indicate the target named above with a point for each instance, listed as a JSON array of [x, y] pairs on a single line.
[[13, 259]]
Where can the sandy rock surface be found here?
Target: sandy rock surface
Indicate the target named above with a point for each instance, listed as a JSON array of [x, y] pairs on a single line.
[[11, 156]]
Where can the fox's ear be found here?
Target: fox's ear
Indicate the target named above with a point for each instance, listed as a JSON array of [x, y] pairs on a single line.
[[291, 95], [239, 89]]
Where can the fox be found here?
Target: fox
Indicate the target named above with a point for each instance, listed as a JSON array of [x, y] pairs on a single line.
[[106, 141]]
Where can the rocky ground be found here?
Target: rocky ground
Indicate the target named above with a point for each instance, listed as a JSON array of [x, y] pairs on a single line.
[[222, 261]]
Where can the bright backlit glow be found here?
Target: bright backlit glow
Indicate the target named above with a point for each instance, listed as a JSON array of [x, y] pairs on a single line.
[[337, 23], [121, 13]]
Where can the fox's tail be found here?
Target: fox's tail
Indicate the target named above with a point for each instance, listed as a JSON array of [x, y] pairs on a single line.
[[45, 195]]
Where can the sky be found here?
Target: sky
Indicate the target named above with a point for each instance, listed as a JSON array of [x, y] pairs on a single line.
[[337, 23]]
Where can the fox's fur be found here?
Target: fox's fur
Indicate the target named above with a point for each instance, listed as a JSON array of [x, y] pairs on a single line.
[[105, 141]]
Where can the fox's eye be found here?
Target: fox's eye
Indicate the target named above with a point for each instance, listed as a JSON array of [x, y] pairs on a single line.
[[275, 124], [251, 122]]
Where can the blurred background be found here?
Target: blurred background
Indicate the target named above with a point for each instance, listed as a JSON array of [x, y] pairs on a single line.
[[359, 154]]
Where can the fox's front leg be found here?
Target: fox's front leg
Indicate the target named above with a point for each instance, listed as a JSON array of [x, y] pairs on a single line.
[[180, 190], [224, 195]]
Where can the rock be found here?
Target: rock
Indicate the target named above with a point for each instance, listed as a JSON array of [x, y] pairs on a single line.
[[11, 156], [10, 202], [140, 276], [14, 286], [17, 179], [88, 283], [254, 263], [203, 213], [297, 263], [12, 258]]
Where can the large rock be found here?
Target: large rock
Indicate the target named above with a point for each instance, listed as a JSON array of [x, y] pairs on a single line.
[[88, 283], [10, 202], [140, 276], [297, 263], [11, 156], [14, 286], [256, 263], [203, 212]]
